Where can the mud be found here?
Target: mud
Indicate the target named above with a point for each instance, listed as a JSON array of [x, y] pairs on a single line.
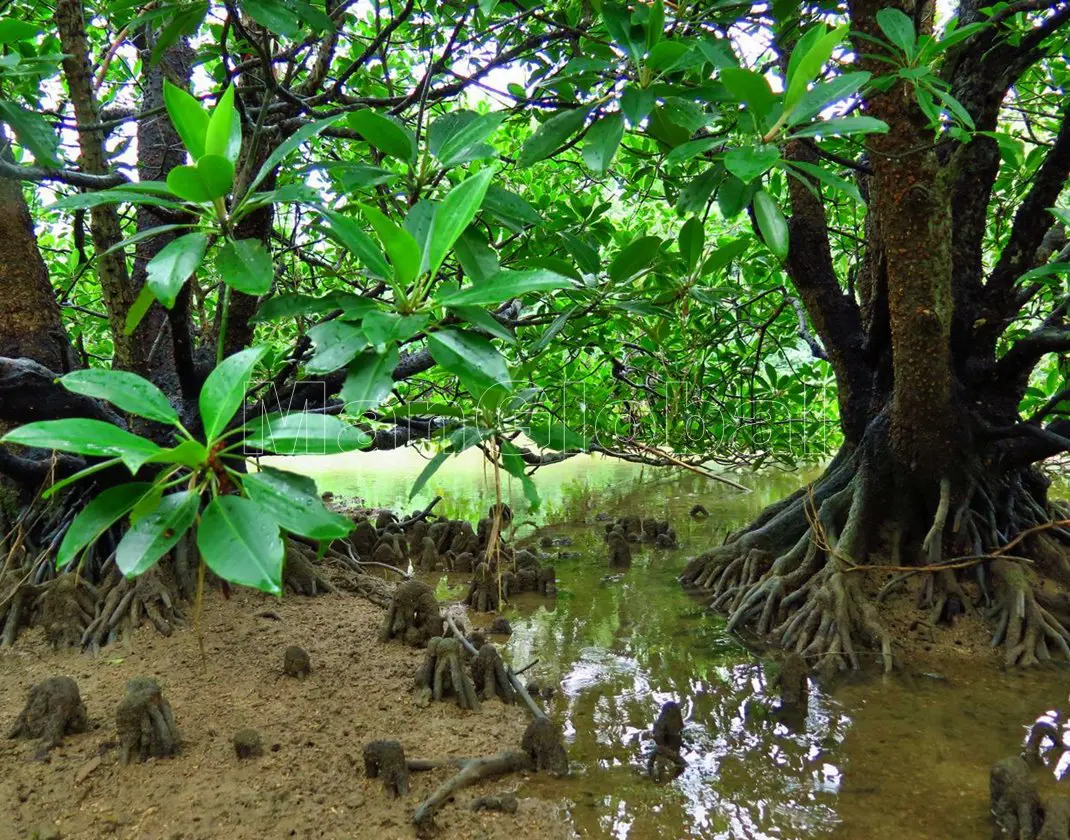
[[309, 783]]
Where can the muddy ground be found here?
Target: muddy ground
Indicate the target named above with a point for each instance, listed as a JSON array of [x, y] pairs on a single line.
[[310, 781]]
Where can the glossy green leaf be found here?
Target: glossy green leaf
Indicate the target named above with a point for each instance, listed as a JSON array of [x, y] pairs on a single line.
[[13, 30], [551, 135], [335, 343], [472, 359], [382, 328], [481, 318], [369, 380], [808, 58], [127, 391], [85, 437], [692, 239], [425, 474], [822, 95], [636, 104], [513, 462], [459, 136], [602, 141], [288, 499], [245, 266], [385, 133], [898, 27], [350, 235], [404, 251], [771, 223], [636, 257], [105, 509], [172, 266], [240, 541], [211, 178], [224, 389], [454, 214], [156, 533], [750, 88], [32, 131], [304, 433], [842, 127], [751, 162], [223, 137], [291, 144], [552, 434], [188, 117], [505, 285]]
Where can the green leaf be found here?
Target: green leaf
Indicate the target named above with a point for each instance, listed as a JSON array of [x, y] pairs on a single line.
[[630, 38], [224, 390], [291, 305], [428, 471], [477, 258], [812, 55], [288, 18], [369, 380], [85, 437], [692, 239], [381, 328], [418, 222], [107, 508], [142, 303], [289, 145], [245, 266], [458, 137], [826, 177], [287, 498], [13, 30], [32, 131], [813, 101], [750, 88], [472, 359], [724, 256], [116, 195], [224, 128], [550, 434], [636, 257], [211, 178], [384, 133], [771, 223], [189, 453], [510, 208], [899, 28], [349, 234], [602, 141], [188, 117], [485, 321], [842, 127], [303, 433], [513, 462], [172, 266], [240, 542], [335, 342], [156, 533], [454, 214], [636, 104], [692, 148], [549, 136], [655, 23], [126, 391], [668, 56], [505, 285], [404, 251], [751, 162], [693, 197]]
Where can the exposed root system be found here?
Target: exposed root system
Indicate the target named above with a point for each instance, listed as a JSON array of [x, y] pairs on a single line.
[[471, 771], [546, 747], [488, 674], [385, 760], [444, 675], [145, 722], [53, 709], [413, 616]]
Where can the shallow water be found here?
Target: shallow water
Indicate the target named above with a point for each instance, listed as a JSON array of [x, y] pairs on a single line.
[[904, 756]]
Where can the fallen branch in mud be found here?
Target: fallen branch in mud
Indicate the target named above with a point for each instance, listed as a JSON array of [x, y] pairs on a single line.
[[472, 770], [536, 712]]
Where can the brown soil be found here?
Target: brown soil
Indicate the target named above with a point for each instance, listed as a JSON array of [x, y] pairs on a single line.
[[310, 781]]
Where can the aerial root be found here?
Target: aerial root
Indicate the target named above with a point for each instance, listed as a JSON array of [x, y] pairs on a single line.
[[1023, 626]]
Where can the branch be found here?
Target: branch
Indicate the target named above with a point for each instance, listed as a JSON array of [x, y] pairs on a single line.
[[29, 392], [36, 174]]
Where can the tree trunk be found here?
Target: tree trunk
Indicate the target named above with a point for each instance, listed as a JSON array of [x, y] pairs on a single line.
[[934, 487]]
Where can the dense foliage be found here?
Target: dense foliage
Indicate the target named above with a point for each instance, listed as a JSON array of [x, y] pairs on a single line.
[[572, 221]]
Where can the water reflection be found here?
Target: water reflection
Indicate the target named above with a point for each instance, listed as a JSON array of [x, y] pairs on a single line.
[[884, 759]]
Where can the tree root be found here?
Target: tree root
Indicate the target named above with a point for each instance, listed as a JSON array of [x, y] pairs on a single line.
[[53, 708], [544, 744], [413, 616], [472, 770], [385, 760], [152, 595], [299, 573], [65, 609], [443, 673], [145, 722], [488, 674], [1023, 626]]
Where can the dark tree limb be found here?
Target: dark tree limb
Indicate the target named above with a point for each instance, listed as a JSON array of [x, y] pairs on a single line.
[[473, 770]]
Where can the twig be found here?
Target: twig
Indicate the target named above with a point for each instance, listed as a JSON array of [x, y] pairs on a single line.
[[472, 771], [697, 470]]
